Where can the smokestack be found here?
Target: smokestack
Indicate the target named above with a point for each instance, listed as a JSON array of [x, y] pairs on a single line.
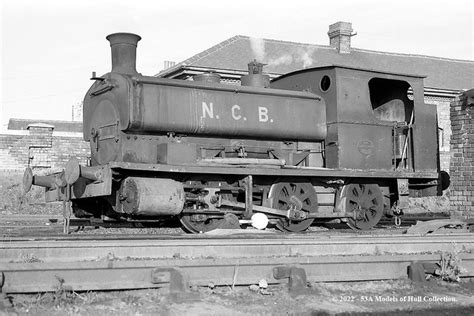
[[255, 78], [124, 52], [340, 34]]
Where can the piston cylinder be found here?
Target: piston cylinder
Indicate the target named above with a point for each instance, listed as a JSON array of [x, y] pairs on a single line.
[[151, 196]]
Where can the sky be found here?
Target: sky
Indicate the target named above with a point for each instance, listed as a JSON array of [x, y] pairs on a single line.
[[49, 48]]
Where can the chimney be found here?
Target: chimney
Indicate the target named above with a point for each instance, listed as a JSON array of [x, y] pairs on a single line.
[[255, 78], [77, 112], [340, 34], [124, 52], [168, 64]]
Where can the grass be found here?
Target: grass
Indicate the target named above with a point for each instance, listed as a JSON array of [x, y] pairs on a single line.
[[13, 200], [450, 267]]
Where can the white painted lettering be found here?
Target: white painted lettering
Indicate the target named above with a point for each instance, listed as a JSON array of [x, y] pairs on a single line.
[[207, 110], [262, 114], [236, 116]]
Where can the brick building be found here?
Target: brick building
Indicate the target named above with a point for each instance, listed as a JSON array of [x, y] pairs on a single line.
[[462, 155], [41, 144], [445, 78]]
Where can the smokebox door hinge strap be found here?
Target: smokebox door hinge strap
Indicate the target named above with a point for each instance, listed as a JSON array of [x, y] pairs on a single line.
[[103, 88]]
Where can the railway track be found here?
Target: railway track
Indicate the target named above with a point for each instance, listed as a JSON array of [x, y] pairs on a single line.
[[34, 225], [410, 218], [105, 264], [238, 245]]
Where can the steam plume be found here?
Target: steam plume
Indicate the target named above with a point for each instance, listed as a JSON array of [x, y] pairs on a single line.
[[258, 48]]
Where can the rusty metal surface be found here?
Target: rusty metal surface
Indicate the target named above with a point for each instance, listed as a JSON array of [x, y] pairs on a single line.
[[151, 196], [425, 138], [124, 52], [358, 137], [347, 97], [103, 187], [238, 113], [112, 274], [260, 170], [255, 77], [359, 146]]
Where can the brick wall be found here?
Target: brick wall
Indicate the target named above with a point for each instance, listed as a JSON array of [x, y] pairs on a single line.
[[462, 158], [340, 36], [40, 148]]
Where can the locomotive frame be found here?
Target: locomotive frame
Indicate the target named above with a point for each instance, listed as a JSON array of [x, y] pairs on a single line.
[[327, 144]]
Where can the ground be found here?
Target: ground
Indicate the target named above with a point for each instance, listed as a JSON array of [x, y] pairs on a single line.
[[14, 201], [397, 297]]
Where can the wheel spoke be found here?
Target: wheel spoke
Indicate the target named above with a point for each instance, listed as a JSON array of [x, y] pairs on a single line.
[[373, 212], [367, 216], [284, 198], [289, 189], [370, 196], [353, 206], [307, 208], [299, 195], [354, 201], [364, 205], [304, 196]]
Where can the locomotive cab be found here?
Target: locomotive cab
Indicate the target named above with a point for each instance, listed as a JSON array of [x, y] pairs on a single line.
[[375, 120]]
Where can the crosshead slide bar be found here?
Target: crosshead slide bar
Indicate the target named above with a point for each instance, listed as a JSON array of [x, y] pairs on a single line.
[[181, 273], [76, 249]]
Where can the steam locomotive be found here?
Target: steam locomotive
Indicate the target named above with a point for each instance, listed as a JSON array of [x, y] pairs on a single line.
[[322, 144]]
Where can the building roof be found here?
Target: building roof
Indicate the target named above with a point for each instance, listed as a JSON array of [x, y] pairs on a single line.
[[283, 57], [59, 126]]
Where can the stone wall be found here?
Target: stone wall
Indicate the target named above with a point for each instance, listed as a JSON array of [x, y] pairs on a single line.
[[40, 148], [462, 156]]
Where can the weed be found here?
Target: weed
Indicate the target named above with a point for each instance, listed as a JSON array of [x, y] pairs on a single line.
[[29, 258], [450, 267], [64, 295]]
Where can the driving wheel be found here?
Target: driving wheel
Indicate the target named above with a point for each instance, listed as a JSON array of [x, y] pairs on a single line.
[[198, 223], [364, 204], [298, 196]]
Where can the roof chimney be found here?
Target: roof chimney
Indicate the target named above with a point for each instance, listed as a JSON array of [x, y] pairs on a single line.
[[168, 64], [340, 34]]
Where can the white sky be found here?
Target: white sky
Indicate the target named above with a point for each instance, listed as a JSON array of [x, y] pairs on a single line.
[[50, 47]]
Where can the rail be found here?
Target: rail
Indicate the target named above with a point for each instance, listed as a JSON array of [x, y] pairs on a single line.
[[45, 264]]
